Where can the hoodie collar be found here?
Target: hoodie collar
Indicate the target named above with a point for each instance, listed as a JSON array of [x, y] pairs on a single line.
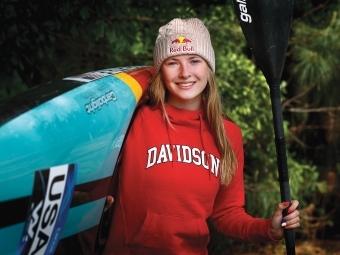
[[182, 117]]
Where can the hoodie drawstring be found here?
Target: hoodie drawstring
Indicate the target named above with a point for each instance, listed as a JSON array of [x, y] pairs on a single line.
[[171, 145]]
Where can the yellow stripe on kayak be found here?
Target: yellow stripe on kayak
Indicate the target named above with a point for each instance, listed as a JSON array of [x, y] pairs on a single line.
[[132, 83]]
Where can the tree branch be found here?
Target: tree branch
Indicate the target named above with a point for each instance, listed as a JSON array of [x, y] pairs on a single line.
[[320, 109], [303, 144], [286, 103], [316, 8]]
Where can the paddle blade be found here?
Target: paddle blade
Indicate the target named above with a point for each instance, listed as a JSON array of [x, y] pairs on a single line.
[[265, 25]]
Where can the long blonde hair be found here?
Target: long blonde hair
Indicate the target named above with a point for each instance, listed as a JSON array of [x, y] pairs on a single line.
[[156, 95]]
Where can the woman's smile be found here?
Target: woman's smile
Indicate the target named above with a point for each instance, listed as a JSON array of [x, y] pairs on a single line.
[[186, 85]]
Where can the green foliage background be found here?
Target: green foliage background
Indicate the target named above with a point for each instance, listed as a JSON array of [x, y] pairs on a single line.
[[42, 41]]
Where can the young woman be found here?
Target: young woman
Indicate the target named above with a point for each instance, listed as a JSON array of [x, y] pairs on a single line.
[[189, 164]]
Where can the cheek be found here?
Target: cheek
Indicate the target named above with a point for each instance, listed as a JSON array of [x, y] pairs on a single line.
[[204, 80], [203, 73], [166, 78], [166, 82]]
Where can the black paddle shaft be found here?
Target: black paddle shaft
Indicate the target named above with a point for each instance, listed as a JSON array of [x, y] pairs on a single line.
[[281, 159], [266, 25]]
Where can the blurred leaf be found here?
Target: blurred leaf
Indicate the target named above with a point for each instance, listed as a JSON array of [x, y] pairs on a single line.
[[84, 13], [74, 30], [99, 32]]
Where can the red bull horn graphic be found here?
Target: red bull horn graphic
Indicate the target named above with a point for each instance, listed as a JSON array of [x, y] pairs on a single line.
[[181, 45]]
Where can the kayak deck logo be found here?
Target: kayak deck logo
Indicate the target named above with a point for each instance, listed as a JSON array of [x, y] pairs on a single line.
[[181, 44], [97, 103], [51, 198]]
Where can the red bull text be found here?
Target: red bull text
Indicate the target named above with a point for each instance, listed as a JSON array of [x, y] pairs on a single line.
[[181, 44]]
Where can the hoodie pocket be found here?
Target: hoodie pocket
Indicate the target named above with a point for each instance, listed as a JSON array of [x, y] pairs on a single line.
[[169, 234]]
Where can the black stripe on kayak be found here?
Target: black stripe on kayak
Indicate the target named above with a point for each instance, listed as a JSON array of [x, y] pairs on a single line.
[[28, 99], [15, 211], [32, 97], [89, 241]]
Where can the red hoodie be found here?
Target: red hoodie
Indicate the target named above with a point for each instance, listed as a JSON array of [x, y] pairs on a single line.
[[169, 186]]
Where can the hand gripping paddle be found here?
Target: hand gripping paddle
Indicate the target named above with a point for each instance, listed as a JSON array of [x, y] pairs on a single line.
[[265, 25]]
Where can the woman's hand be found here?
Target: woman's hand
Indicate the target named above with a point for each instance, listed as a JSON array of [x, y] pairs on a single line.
[[108, 202], [279, 223]]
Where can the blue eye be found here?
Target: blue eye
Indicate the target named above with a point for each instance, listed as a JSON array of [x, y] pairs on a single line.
[[195, 61], [171, 63]]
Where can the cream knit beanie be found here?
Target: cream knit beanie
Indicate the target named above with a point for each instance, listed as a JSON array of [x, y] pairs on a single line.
[[183, 36]]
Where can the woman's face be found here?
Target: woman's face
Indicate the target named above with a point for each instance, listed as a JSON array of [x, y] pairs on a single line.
[[185, 77]]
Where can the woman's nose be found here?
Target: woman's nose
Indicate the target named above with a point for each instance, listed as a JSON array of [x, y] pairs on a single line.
[[184, 71]]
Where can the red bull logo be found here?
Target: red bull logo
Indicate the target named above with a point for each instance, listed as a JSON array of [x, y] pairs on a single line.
[[181, 44], [181, 40]]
